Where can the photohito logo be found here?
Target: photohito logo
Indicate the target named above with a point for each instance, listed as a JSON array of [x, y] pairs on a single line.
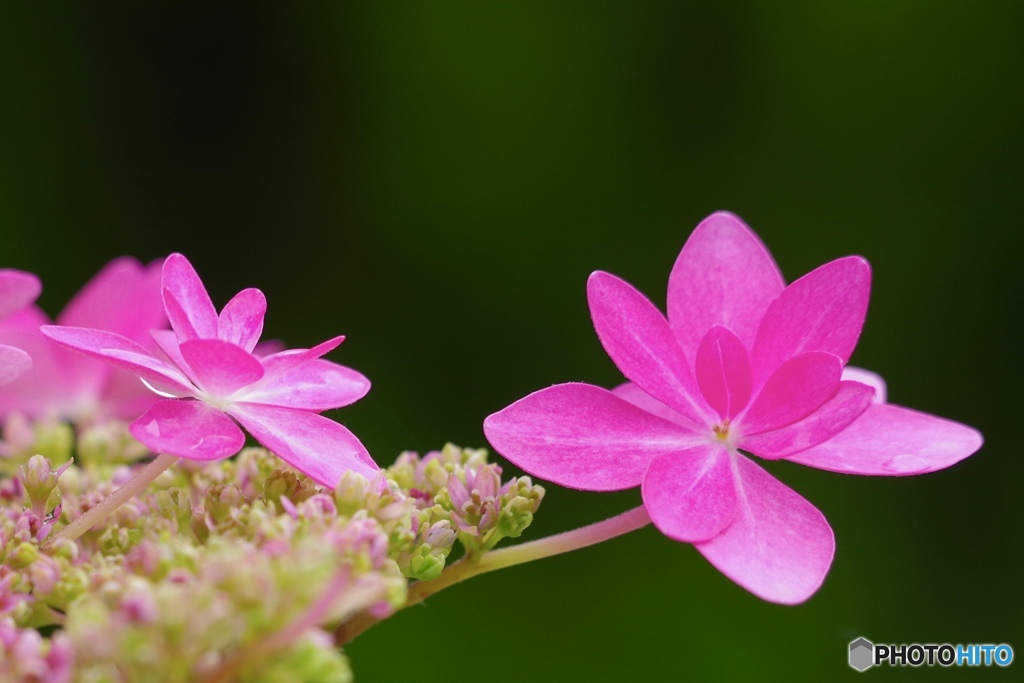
[[864, 654]]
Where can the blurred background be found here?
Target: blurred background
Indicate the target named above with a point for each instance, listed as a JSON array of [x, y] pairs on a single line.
[[436, 182]]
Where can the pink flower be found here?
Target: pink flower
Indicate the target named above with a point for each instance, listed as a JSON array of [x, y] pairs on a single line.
[[476, 504], [209, 372], [742, 362], [17, 290], [124, 297]]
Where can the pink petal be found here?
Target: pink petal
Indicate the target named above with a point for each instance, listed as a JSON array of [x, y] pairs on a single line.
[[18, 289], [890, 440], [123, 353], [221, 368], [794, 391], [457, 493], [642, 345], [319, 448], [167, 341], [690, 495], [779, 547], [64, 383], [872, 379], [849, 403], [284, 361], [188, 305], [188, 429], [641, 399], [315, 385], [241, 321], [583, 437], [822, 311], [13, 363], [124, 298], [723, 372], [124, 397], [269, 347], [724, 276], [44, 386]]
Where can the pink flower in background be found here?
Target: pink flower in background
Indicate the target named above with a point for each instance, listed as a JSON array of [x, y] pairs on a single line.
[[741, 362], [17, 290], [124, 297], [208, 372]]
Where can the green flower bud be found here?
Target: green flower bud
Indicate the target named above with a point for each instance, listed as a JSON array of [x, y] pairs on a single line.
[[198, 527], [221, 500], [424, 565], [435, 475], [74, 581], [175, 506], [54, 440], [109, 443], [23, 555], [515, 516], [403, 472], [312, 658], [40, 480], [351, 494], [288, 485], [63, 549]]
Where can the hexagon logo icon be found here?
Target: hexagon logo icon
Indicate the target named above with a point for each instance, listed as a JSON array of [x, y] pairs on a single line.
[[862, 654]]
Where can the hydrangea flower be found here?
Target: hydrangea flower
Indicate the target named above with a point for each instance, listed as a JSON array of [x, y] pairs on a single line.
[[742, 364], [124, 297], [209, 377], [18, 289]]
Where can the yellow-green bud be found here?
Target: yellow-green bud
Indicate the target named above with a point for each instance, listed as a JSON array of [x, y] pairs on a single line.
[[23, 555]]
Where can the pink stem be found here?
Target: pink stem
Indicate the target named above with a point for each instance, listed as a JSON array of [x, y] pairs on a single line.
[[97, 514], [470, 566]]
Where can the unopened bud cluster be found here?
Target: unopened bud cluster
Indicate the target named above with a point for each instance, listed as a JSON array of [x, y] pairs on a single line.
[[231, 570], [458, 494]]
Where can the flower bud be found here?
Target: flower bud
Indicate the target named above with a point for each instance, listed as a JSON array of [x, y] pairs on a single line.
[[109, 442], [520, 500], [351, 493], [221, 500], [313, 657], [44, 573], [23, 555], [174, 505], [54, 439], [288, 485], [39, 480]]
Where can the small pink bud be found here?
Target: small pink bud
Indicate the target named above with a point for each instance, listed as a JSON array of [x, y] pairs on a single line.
[[45, 573]]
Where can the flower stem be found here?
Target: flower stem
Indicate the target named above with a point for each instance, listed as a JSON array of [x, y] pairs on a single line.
[[97, 514], [631, 520], [472, 565]]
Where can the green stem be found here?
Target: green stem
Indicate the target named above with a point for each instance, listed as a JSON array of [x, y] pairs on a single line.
[[97, 514], [470, 565]]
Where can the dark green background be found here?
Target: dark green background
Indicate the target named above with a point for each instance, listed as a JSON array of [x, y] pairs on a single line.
[[437, 181]]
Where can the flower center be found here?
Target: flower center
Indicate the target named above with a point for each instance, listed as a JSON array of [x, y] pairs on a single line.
[[723, 436]]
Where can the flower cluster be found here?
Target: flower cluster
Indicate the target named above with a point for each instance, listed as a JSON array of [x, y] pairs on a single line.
[[138, 535], [227, 570], [458, 492], [223, 568]]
